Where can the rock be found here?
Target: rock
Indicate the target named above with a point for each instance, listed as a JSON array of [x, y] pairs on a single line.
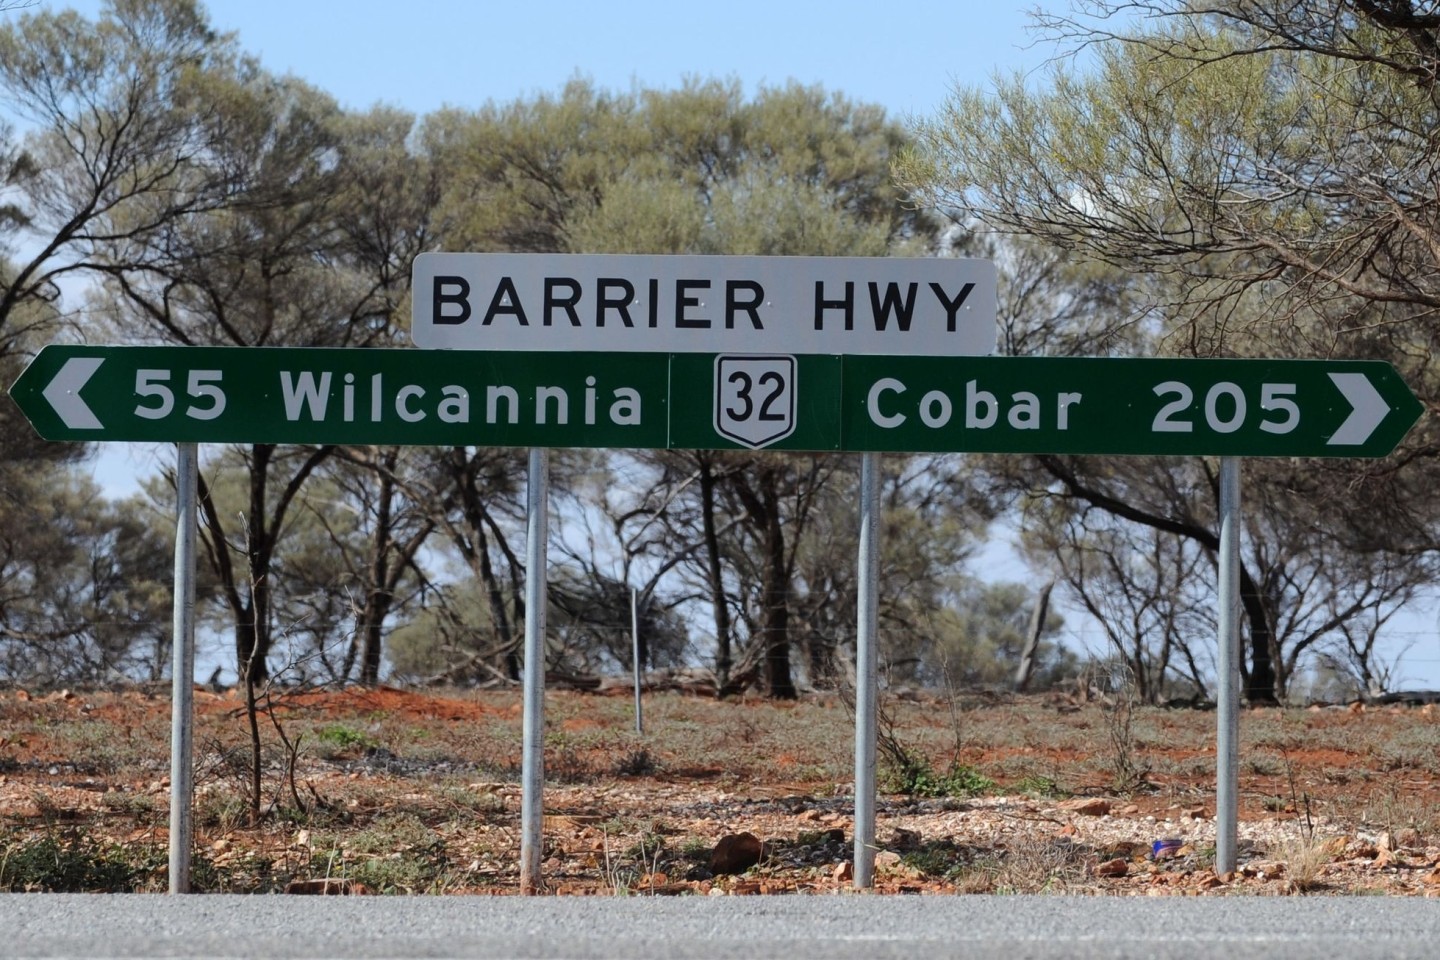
[[1264, 869], [1118, 867], [735, 853], [1408, 838], [844, 872], [1087, 806], [1363, 851]]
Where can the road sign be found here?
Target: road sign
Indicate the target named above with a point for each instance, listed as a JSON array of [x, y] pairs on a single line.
[[1238, 408], [749, 401], [1246, 408], [754, 398], [304, 395], [691, 304]]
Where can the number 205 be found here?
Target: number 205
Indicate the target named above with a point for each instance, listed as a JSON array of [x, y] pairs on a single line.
[[201, 384], [1274, 399]]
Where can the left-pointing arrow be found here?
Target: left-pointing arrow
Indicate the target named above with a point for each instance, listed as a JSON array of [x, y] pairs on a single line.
[[64, 393]]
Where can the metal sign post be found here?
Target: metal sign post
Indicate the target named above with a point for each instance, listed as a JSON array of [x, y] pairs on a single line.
[[532, 734], [1227, 665], [182, 670], [635, 657], [866, 668]]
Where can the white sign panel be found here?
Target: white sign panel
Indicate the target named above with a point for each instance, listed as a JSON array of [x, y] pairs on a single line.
[[692, 304]]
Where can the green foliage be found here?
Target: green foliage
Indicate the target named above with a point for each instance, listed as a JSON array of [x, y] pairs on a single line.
[[396, 854], [1035, 785], [467, 798], [939, 859], [74, 862], [340, 738], [977, 636], [84, 583], [1262, 176], [696, 170], [913, 775]]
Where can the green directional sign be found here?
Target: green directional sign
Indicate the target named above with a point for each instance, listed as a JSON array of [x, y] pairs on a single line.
[[1246, 408], [301, 395], [1238, 408]]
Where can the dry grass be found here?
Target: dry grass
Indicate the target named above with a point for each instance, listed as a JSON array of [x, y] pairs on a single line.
[[412, 792]]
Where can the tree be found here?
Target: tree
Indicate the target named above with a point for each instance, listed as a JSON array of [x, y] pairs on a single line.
[[312, 250], [118, 134], [697, 170], [84, 584], [1264, 174]]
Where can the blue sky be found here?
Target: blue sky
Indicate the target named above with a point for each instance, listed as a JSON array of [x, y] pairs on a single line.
[[425, 54]]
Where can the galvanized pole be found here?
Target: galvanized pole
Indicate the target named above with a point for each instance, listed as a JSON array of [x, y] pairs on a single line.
[[1227, 735], [532, 733], [866, 669], [182, 670], [635, 657]]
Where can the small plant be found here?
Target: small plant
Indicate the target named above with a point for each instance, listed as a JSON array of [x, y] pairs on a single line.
[[936, 859], [221, 810], [1035, 785], [1118, 709], [564, 762], [465, 798], [74, 863], [336, 739], [695, 848], [1028, 865], [636, 763], [1305, 858], [129, 803], [912, 775], [397, 854]]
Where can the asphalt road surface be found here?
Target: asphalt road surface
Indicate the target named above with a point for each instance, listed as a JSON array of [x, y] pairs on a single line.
[[794, 928]]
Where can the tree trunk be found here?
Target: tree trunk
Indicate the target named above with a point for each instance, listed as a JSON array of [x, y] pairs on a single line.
[[253, 638], [474, 545], [776, 618], [1032, 637], [379, 596], [1260, 682], [714, 574]]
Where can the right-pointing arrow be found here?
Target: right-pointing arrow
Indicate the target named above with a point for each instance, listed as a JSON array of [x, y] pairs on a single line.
[[1369, 409], [64, 393]]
